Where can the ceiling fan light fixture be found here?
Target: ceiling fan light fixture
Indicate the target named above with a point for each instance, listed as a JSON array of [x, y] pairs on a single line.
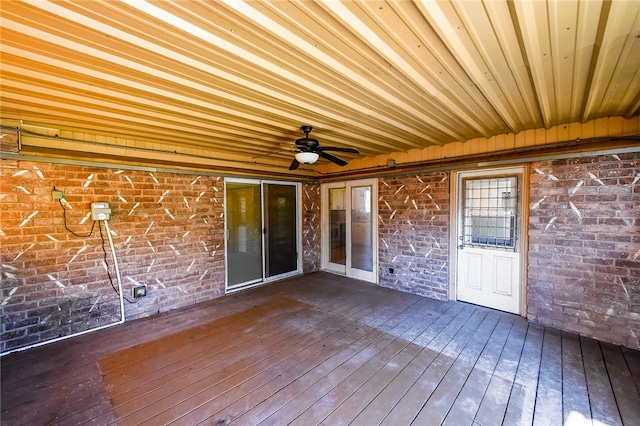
[[307, 157]]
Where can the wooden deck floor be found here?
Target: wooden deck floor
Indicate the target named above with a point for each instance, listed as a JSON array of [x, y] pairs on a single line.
[[323, 349]]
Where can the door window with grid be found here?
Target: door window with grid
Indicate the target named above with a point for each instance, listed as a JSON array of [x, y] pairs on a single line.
[[490, 212]]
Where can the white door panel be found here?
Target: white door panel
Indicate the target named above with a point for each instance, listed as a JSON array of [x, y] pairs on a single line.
[[488, 228], [504, 279], [472, 272], [489, 278]]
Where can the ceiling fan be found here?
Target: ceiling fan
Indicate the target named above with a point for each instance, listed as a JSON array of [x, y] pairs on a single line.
[[309, 150]]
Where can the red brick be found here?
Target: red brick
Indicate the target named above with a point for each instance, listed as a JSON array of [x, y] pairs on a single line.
[[424, 276], [53, 258], [601, 245]]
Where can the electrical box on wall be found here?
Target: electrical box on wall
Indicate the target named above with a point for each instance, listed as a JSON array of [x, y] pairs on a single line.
[[100, 211], [139, 291]]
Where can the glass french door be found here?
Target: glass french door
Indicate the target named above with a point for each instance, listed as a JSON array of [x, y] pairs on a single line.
[[350, 229], [262, 231]]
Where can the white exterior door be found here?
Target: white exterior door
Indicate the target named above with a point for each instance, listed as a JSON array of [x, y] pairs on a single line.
[[489, 239]]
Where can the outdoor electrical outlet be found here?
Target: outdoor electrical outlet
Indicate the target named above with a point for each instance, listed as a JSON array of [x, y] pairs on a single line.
[[100, 211], [139, 291], [57, 195]]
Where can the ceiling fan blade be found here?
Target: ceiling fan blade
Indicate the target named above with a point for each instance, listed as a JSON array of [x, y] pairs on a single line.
[[339, 149], [294, 164], [333, 158]]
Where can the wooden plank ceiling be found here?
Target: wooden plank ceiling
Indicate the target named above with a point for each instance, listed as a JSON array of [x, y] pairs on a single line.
[[236, 80]]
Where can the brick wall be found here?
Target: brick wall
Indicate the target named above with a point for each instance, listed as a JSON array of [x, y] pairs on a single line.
[[414, 233], [311, 227], [584, 246], [167, 230]]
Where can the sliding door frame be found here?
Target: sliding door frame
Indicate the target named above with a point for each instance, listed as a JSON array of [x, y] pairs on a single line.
[[264, 234]]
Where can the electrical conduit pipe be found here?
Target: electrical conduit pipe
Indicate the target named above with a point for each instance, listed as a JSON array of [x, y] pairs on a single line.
[[118, 278]]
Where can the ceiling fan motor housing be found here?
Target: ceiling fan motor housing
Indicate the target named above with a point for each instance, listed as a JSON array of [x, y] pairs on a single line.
[[307, 144], [309, 150]]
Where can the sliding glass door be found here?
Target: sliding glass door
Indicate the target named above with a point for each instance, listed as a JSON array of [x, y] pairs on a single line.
[[244, 232], [350, 229], [281, 221], [262, 231]]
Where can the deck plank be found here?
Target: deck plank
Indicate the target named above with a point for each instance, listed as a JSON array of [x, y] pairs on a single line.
[[405, 331], [290, 387], [195, 408], [327, 349], [56, 393], [359, 397], [549, 409], [309, 398], [600, 394], [522, 399], [388, 398], [157, 375], [449, 344], [384, 402], [443, 397], [622, 383], [284, 395], [575, 397], [340, 393], [173, 400], [466, 405], [632, 359], [248, 394], [496, 397]]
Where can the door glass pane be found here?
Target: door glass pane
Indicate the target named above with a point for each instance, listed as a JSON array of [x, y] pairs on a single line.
[[337, 225], [490, 212], [280, 220], [361, 238], [244, 224]]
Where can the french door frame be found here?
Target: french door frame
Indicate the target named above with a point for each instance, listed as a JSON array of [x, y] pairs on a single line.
[[264, 239], [347, 269]]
